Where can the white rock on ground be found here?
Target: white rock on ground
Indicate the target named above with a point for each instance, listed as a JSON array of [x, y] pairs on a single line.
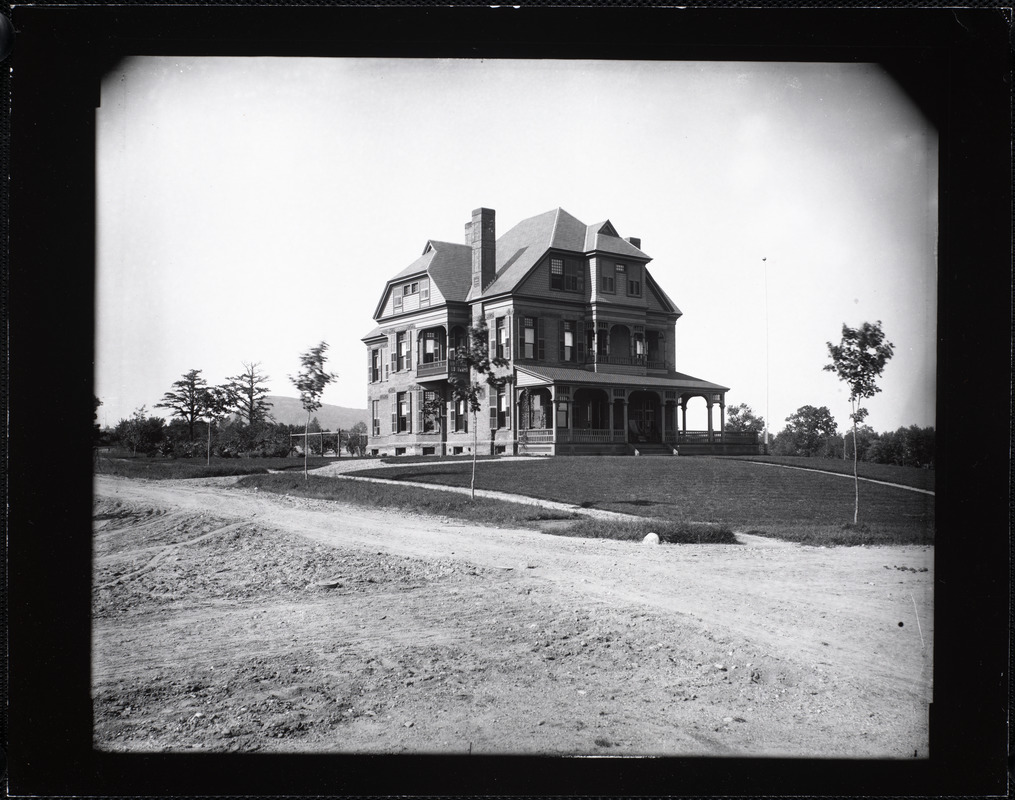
[[651, 538]]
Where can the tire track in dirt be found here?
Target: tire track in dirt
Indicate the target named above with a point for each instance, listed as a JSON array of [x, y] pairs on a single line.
[[168, 550]]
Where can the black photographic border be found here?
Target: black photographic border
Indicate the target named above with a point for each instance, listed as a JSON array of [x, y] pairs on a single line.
[[955, 65]]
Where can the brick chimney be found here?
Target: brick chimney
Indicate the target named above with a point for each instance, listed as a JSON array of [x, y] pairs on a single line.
[[635, 241], [481, 233]]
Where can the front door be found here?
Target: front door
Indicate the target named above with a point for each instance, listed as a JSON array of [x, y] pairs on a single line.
[[642, 417]]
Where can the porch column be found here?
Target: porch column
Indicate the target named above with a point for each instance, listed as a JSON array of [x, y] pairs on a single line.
[[610, 405], [625, 420], [710, 434], [722, 417], [683, 409], [662, 421], [553, 413]]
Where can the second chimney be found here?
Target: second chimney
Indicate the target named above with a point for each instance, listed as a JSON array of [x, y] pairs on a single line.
[[483, 233]]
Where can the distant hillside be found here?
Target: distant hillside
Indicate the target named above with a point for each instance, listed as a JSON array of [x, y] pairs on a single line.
[[289, 411]]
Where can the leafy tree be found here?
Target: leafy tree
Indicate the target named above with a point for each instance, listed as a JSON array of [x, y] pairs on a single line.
[[858, 360], [185, 401], [247, 392], [864, 436], [473, 362], [806, 430], [356, 442], [742, 419], [96, 428], [215, 405], [140, 431], [310, 382]]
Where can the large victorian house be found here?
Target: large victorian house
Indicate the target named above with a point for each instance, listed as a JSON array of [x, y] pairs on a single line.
[[587, 333]]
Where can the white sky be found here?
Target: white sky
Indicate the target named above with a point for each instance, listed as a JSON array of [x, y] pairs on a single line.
[[250, 207]]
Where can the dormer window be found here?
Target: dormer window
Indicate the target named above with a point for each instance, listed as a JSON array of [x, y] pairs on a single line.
[[412, 295]]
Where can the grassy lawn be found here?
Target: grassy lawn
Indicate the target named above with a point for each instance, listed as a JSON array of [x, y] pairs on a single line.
[[789, 504], [156, 468], [907, 476], [487, 512]]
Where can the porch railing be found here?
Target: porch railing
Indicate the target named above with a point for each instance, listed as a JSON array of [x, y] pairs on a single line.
[[701, 437], [535, 436], [565, 436], [605, 435]]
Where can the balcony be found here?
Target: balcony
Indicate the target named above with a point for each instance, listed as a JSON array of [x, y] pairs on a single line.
[[439, 370], [593, 360]]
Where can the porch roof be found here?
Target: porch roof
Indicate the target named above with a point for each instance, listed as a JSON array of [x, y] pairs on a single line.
[[537, 376]]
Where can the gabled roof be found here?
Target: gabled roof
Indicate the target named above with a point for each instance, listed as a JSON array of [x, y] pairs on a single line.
[[449, 266], [664, 298], [522, 246]]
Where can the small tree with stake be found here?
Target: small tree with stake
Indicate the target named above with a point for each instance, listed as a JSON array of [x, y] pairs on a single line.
[[858, 360], [310, 382], [475, 358]]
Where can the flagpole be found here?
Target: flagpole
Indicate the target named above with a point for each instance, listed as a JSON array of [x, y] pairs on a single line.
[[764, 261]]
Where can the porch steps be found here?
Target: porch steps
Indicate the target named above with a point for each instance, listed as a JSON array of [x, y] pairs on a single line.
[[651, 449]]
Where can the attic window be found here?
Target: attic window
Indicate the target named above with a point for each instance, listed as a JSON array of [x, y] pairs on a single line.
[[567, 275], [556, 273]]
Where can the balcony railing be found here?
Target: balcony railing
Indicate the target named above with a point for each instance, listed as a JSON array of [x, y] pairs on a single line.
[[625, 361], [436, 369]]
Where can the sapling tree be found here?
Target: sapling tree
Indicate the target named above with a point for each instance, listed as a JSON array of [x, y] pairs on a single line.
[[310, 382], [858, 360], [472, 363]]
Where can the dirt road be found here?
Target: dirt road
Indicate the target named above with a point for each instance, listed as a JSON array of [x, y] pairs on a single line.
[[225, 619]]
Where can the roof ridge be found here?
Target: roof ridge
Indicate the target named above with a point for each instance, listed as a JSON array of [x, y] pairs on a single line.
[[553, 230]]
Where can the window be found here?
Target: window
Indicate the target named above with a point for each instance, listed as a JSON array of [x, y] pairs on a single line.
[[375, 365], [431, 412], [633, 282], [567, 275], [500, 410], [404, 359], [398, 302], [431, 347], [639, 347], [503, 339], [567, 342], [530, 338], [459, 417], [607, 282], [375, 407], [404, 419], [503, 410], [574, 276], [557, 273]]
